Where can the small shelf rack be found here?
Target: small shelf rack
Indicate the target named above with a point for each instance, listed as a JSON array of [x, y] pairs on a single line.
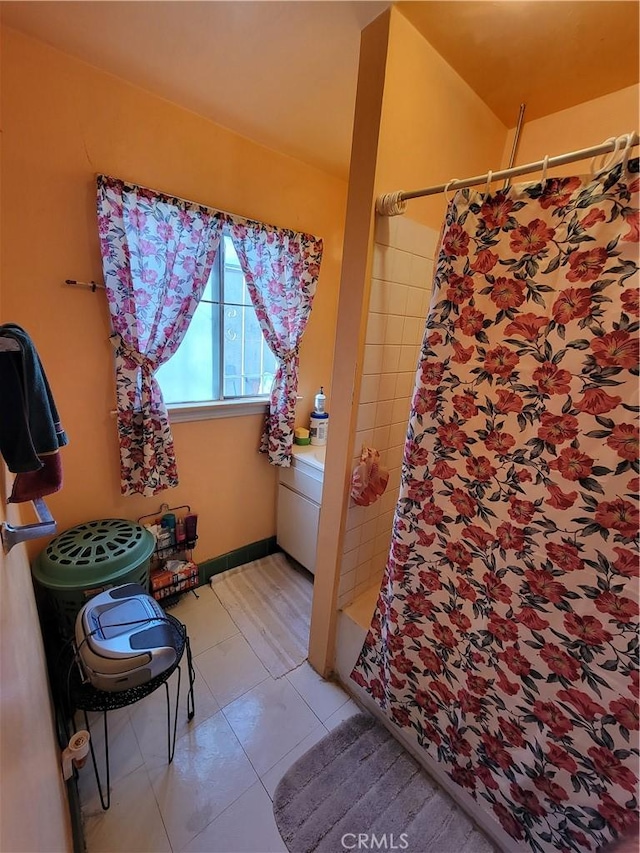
[[173, 571]]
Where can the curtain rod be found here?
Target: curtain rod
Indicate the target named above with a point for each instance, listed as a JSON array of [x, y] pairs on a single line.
[[92, 285], [391, 204]]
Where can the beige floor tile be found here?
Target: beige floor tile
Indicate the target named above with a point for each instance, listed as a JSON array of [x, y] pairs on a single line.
[[149, 716], [230, 669], [323, 697], [210, 799], [271, 778], [206, 619], [132, 824], [209, 772], [124, 755], [246, 826], [269, 721], [343, 713]]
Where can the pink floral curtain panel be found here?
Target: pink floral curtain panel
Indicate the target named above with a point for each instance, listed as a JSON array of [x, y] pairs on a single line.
[[157, 253], [281, 270], [505, 639]]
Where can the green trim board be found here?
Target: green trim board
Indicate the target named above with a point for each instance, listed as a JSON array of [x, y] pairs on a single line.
[[238, 557]]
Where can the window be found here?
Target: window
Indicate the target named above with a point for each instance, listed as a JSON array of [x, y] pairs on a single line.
[[223, 355]]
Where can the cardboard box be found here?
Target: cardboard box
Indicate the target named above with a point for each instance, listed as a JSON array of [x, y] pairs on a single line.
[[181, 575]]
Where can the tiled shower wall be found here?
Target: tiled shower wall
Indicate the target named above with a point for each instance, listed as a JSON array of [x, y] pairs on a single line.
[[400, 296]]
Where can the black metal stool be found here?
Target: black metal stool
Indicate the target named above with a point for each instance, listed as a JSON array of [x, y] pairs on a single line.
[[84, 697]]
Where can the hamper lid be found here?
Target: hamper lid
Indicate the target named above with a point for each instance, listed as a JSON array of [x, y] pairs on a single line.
[[93, 552]]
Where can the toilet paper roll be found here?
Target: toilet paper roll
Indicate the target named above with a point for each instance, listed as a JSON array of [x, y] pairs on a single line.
[[75, 753], [79, 745]]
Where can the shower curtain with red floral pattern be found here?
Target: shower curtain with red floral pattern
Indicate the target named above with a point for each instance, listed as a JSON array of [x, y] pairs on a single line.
[[505, 638]]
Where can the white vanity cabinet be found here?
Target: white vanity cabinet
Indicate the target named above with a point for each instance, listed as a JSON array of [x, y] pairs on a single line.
[[299, 498]]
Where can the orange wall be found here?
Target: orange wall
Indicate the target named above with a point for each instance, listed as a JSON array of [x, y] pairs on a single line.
[[354, 297], [30, 767], [64, 121], [425, 126], [434, 127], [578, 127]]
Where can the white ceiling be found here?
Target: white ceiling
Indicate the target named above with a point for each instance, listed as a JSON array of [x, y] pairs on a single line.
[[281, 73]]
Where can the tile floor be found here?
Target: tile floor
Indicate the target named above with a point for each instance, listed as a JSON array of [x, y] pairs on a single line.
[[248, 729]]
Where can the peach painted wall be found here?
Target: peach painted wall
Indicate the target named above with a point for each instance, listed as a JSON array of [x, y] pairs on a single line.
[[581, 126], [425, 101], [34, 812], [350, 335], [434, 127], [428, 127], [65, 121]]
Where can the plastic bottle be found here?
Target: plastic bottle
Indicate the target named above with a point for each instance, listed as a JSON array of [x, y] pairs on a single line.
[[191, 527], [181, 533], [320, 400], [318, 427], [169, 522], [164, 537]]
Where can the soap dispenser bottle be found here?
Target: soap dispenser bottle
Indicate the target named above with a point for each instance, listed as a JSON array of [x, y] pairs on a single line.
[[319, 421]]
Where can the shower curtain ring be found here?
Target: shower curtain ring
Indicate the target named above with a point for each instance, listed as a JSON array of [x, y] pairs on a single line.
[[617, 150], [545, 166], [489, 179], [609, 161], [594, 171], [391, 204], [627, 149], [446, 189]]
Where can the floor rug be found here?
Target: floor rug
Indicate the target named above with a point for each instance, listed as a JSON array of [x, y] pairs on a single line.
[[270, 602], [359, 781]]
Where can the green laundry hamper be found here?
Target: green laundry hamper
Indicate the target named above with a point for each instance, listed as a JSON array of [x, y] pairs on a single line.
[[89, 558]]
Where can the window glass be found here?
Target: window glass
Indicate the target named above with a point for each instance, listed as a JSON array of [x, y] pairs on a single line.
[[224, 354]]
